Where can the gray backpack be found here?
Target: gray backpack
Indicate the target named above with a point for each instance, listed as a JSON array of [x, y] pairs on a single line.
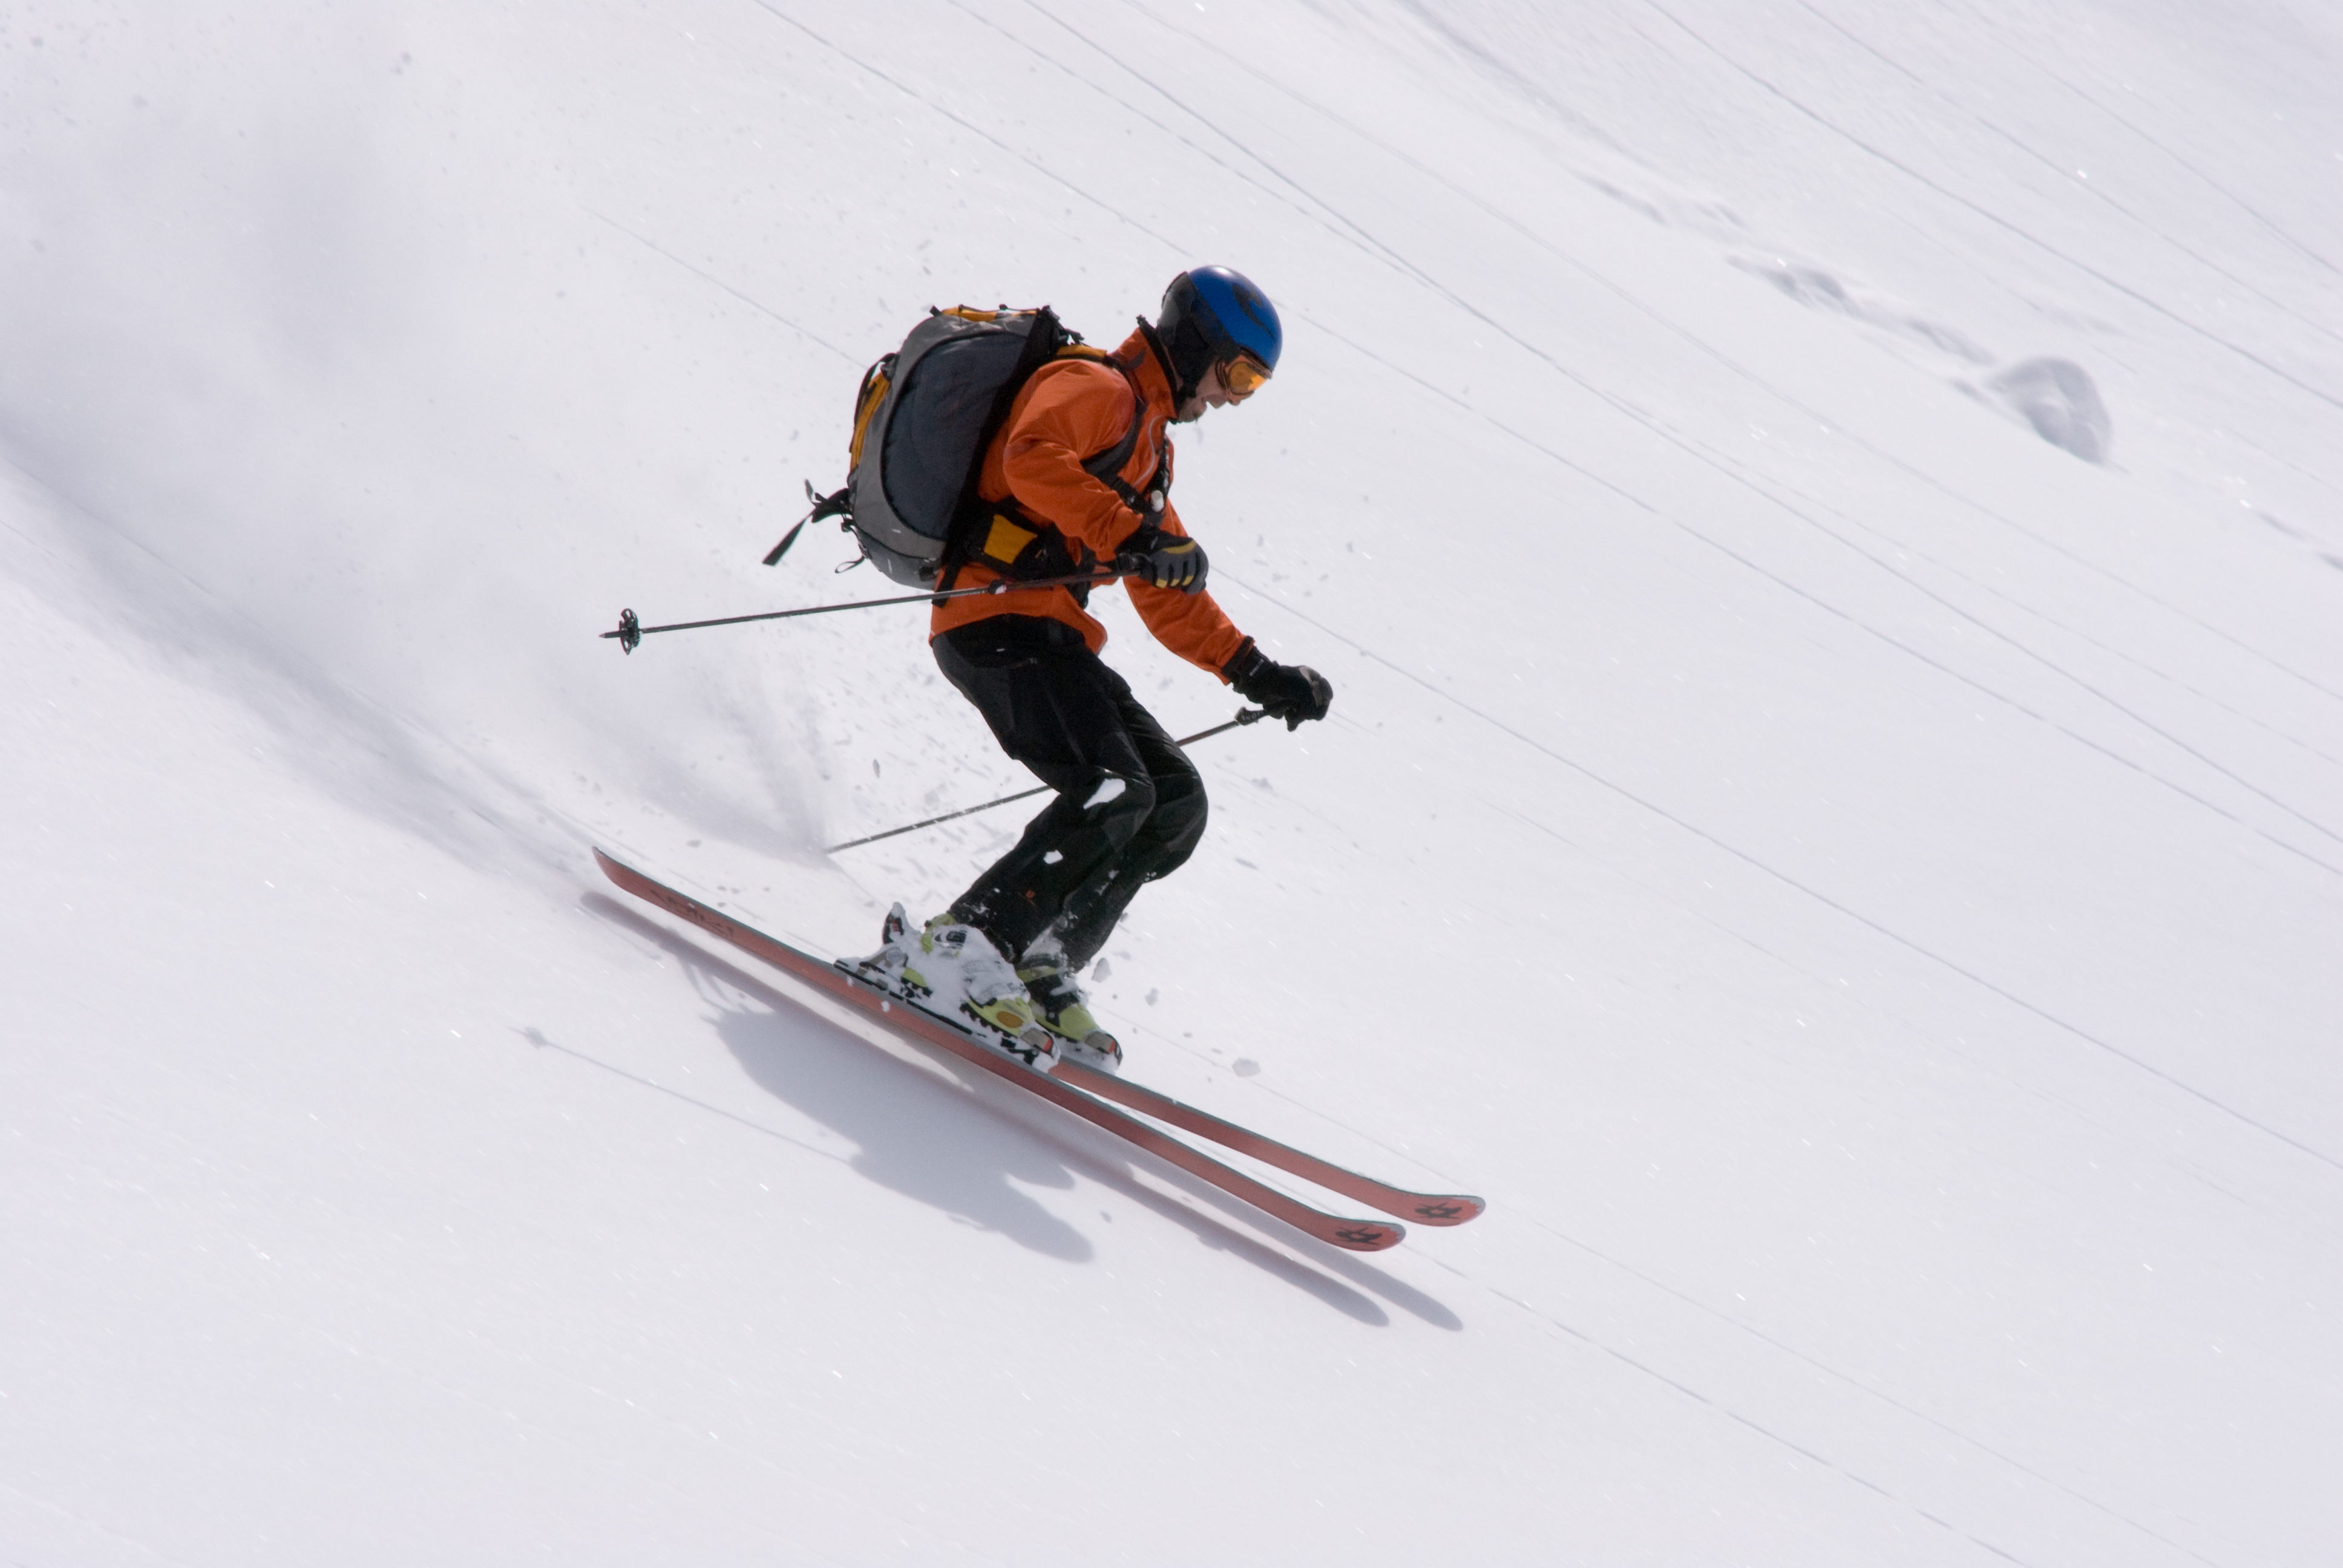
[[922, 420]]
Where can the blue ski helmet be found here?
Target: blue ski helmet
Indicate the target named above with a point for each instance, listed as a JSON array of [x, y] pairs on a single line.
[[1213, 316]]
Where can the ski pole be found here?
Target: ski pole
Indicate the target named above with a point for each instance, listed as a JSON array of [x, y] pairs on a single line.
[[1244, 716], [631, 632]]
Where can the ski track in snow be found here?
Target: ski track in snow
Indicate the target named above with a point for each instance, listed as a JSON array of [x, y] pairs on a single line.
[[1739, 475], [1708, 1309], [2068, 180], [2017, 230], [753, 303], [1708, 350], [1382, 1284], [316, 1261], [1980, 981]]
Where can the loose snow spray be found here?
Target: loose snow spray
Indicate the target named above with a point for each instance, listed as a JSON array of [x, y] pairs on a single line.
[[383, 417], [630, 633]]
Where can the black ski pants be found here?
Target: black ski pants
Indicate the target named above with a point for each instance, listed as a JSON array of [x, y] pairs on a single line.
[[1130, 806]]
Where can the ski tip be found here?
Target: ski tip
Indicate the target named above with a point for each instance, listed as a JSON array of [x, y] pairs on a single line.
[[624, 875], [1450, 1211], [1365, 1235]]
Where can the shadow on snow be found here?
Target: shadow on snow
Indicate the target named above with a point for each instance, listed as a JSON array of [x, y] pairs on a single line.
[[956, 1146]]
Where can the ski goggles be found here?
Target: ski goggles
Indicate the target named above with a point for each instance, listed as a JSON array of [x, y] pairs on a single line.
[[1243, 375]]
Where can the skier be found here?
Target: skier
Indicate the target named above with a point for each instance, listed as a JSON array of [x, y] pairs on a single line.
[[1130, 806]]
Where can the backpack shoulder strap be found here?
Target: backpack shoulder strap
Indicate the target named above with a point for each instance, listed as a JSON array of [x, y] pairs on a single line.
[[1043, 342], [1010, 539], [1107, 466]]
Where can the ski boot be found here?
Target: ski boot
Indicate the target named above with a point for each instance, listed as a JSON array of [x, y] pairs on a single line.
[[1061, 1009], [959, 965]]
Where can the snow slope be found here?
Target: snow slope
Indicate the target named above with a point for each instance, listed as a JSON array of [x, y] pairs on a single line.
[[1824, 524]]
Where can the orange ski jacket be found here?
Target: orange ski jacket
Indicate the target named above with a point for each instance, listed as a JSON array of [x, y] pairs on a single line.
[[1070, 410]]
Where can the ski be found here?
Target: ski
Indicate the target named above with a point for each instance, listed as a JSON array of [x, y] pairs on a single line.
[[1354, 1235], [1427, 1207]]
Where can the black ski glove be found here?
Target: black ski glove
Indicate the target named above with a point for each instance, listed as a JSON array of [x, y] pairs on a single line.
[[1168, 561], [1292, 692]]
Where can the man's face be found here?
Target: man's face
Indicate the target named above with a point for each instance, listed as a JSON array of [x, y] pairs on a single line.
[[1209, 393]]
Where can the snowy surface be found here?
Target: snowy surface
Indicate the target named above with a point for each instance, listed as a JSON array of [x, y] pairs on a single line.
[[1826, 523]]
